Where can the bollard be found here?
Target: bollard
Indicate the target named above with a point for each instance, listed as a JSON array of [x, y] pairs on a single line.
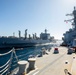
[[22, 67], [43, 51], [31, 63], [49, 49]]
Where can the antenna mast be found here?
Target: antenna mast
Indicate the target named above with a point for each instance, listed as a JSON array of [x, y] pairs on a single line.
[[73, 20]]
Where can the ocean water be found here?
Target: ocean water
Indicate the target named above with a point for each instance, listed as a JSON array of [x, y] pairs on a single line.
[[20, 54]]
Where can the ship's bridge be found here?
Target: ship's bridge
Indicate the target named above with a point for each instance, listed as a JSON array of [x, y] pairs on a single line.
[[45, 36]]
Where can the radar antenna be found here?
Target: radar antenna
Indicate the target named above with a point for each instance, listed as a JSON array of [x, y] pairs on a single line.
[[73, 20]]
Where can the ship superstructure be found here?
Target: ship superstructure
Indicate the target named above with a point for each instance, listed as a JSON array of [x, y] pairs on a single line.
[[70, 35]]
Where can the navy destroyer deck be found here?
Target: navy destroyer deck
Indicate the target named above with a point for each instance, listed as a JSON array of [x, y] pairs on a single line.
[[52, 64]]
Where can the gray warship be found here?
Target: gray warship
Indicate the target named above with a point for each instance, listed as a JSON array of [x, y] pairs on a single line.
[[70, 35]]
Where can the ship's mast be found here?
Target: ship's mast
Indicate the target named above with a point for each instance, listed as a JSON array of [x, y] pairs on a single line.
[[19, 34], [26, 34], [73, 20], [74, 14], [13, 34], [45, 30]]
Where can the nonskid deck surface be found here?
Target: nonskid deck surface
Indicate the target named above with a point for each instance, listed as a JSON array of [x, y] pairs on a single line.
[[53, 64]]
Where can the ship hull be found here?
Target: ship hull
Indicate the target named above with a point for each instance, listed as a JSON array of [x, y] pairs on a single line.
[[21, 43]]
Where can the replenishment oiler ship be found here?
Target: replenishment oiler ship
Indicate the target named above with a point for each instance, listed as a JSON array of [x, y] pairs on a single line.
[[20, 42]]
